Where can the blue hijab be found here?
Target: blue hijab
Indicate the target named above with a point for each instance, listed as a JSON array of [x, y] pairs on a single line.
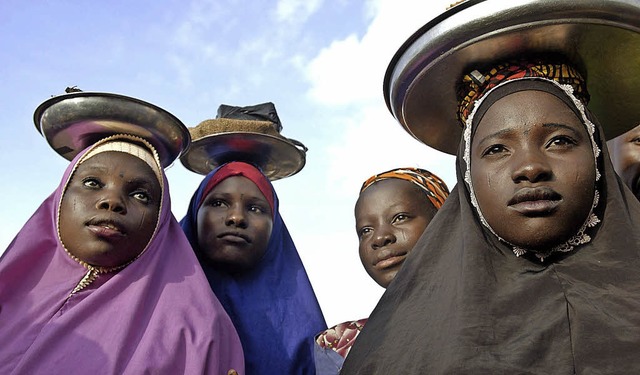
[[272, 306]]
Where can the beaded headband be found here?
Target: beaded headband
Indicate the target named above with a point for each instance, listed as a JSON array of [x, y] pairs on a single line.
[[140, 152]]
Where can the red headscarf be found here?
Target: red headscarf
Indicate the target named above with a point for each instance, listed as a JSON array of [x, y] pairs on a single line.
[[237, 168]]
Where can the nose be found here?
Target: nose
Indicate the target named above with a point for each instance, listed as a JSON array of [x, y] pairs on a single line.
[[236, 217], [112, 201], [383, 237], [530, 165]]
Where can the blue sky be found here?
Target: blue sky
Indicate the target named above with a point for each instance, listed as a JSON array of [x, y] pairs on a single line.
[[320, 62]]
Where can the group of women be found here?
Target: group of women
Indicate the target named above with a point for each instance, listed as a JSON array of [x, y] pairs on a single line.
[[530, 265]]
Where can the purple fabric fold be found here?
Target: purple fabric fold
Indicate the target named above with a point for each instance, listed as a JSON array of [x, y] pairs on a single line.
[[157, 315]]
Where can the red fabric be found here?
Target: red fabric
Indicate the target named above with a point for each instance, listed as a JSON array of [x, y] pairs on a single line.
[[237, 168], [341, 337]]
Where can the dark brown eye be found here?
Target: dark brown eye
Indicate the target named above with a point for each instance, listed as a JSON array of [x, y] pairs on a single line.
[[494, 149], [364, 231], [561, 140], [91, 182], [400, 217], [141, 196]]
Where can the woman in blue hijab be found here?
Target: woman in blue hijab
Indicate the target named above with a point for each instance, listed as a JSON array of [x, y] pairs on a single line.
[[264, 289]]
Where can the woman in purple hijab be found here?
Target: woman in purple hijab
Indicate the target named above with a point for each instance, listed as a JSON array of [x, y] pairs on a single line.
[[102, 280]]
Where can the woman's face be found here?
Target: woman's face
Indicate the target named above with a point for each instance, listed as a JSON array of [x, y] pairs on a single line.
[[625, 155], [110, 209], [390, 218], [533, 169], [234, 224]]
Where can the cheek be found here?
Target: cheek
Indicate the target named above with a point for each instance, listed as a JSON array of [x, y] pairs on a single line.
[[363, 253], [484, 183], [205, 220], [68, 209], [366, 259], [491, 186], [149, 221], [203, 229], [413, 234], [630, 156], [583, 186], [265, 232], [582, 169]]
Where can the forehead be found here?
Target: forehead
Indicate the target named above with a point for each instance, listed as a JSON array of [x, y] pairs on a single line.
[[121, 163], [390, 191], [238, 184], [526, 109]]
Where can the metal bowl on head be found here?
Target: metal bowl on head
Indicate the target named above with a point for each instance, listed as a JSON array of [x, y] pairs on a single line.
[[601, 38], [276, 157], [74, 121]]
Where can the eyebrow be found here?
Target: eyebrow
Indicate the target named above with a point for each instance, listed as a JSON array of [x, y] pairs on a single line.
[[96, 168], [544, 125], [245, 196], [494, 135], [140, 181], [562, 126]]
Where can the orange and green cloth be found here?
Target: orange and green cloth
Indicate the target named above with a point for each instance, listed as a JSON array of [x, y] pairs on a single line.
[[433, 185]]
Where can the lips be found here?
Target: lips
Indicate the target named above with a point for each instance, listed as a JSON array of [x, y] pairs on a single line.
[[234, 237], [106, 228], [387, 259], [535, 201]]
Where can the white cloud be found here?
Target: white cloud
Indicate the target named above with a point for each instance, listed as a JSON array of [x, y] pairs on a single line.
[[296, 11], [351, 70], [337, 74], [349, 73]]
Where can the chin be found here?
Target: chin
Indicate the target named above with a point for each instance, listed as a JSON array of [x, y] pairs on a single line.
[[535, 245], [104, 262], [387, 278]]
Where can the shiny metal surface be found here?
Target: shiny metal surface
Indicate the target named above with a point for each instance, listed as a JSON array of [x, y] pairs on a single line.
[[600, 37], [276, 157], [71, 122]]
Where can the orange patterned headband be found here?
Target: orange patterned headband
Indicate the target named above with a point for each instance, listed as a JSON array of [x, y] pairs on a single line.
[[435, 188]]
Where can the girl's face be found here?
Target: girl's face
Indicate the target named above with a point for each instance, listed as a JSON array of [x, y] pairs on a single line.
[[625, 155], [533, 169], [390, 218], [110, 209], [234, 224]]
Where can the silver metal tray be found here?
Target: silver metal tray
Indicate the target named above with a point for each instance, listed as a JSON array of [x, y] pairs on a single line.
[[71, 122], [274, 156], [601, 37]]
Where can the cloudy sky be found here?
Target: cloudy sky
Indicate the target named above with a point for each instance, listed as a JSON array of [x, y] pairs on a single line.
[[321, 63]]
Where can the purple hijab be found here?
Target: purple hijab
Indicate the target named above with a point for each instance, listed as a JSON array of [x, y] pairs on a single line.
[[157, 315]]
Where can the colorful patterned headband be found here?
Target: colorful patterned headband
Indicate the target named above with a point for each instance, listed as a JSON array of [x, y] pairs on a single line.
[[435, 188], [475, 84]]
